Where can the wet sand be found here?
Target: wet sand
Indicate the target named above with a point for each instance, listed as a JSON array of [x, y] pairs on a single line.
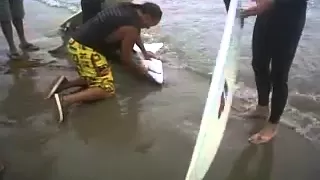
[[145, 133]]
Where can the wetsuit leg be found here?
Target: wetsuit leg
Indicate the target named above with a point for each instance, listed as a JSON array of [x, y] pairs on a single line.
[[261, 58], [286, 29], [227, 3]]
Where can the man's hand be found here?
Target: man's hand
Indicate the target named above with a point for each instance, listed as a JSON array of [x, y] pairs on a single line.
[[142, 70], [262, 6], [148, 55]]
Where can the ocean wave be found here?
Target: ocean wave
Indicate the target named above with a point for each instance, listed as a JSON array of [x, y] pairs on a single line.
[[71, 5]]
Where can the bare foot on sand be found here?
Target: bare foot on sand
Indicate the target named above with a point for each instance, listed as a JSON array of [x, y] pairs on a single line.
[[267, 133]]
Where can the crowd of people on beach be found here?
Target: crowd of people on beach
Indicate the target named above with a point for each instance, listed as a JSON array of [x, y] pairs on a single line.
[[277, 31]]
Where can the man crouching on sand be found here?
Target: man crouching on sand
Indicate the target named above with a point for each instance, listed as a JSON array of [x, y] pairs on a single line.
[[117, 27]]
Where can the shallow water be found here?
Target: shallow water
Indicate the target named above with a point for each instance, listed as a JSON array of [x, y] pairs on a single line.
[[192, 30]]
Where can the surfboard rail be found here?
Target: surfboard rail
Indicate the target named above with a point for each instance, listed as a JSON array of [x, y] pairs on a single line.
[[218, 103]]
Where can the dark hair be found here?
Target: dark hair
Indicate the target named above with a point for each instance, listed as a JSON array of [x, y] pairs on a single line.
[[149, 8]]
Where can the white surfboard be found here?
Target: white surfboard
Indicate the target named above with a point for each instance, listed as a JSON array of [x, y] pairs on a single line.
[[218, 103], [155, 67], [75, 19]]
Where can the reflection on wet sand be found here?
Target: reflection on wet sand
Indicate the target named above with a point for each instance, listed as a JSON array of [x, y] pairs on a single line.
[[254, 163], [23, 100], [111, 125], [113, 122], [22, 107], [102, 134]]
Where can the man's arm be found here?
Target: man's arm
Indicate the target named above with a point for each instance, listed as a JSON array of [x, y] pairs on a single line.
[[140, 45], [145, 53], [130, 37]]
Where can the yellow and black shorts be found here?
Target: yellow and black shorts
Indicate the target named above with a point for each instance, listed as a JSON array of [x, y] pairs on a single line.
[[92, 66]]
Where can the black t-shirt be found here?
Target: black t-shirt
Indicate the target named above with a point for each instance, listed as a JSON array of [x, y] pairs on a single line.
[[94, 32]]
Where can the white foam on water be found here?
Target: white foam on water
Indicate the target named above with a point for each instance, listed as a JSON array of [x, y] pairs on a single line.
[[306, 124], [315, 97], [70, 5]]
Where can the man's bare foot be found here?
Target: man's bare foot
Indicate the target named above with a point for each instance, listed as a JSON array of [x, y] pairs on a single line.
[[61, 107], [15, 55], [265, 135], [59, 50], [28, 47]]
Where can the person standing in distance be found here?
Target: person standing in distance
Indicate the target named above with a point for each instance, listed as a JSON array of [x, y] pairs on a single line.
[[89, 8], [12, 12]]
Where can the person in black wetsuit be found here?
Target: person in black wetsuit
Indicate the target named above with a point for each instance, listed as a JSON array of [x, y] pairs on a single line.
[[116, 27], [227, 3], [276, 35], [89, 9]]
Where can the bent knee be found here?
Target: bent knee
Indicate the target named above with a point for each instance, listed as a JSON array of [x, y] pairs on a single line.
[[105, 91]]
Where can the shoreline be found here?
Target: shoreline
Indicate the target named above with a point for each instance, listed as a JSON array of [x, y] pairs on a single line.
[[149, 136]]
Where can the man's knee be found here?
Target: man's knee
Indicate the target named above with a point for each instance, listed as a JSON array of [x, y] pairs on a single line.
[[5, 11], [17, 9], [11, 9], [106, 92], [107, 89]]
